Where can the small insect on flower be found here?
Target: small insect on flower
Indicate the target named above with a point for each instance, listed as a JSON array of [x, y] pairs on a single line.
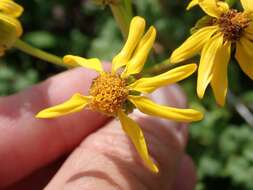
[[10, 27], [226, 28], [112, 94]]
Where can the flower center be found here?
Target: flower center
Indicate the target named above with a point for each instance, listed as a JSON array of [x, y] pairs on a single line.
[[108, 93], [232, 24]]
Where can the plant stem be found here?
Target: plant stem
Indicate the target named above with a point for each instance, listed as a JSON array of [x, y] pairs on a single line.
[[23, 46], [128, 6], [158, 68], [230, 2], [241, 108], [122, 17]]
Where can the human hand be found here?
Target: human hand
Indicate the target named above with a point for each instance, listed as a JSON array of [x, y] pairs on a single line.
[[105, 159]]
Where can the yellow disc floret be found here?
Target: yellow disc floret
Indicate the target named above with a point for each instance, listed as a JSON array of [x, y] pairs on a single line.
[[108, 93], [232, 24]]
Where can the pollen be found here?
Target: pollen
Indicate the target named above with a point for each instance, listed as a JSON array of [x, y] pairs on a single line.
[[232, 24], [109, 93]]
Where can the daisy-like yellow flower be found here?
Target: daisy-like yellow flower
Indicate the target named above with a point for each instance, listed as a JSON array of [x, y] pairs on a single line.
[[228, 28], [10, 27], [113, 94]]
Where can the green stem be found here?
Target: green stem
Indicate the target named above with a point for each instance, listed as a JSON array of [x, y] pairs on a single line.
[[23, 46], [230, 2], [128, 6], [122, 17], [158, 68], [241, 108]]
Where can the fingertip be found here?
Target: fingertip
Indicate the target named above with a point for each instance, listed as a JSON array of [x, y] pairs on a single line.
[[172, 95]]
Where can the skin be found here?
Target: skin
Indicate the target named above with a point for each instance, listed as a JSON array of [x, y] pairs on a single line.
[[68, 153]]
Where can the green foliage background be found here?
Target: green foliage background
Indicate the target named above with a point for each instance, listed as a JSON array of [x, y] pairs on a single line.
[[221, 144]]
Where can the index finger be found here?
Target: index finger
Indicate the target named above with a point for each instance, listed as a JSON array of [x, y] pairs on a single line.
[[27, 143]]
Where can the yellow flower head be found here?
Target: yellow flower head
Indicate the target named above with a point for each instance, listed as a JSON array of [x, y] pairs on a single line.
[[113, 94], [227, 27], [10, 27]]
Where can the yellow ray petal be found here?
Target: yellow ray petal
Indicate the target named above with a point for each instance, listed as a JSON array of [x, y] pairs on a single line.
[[136, 31], [248, 32], [76, 103], [74, 61], [11, 8], [247, 5], [212, 8], [193, 3], [149, 36], [223, 6], [206, 65], [146, 106], [193, 44], [219, 80], [12, 21], [140, 56], [135, 134], [148, 85], [244, 56]]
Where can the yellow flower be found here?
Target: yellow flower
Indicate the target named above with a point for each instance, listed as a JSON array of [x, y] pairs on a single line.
[[10, 27], [111, 93], [228, 28]]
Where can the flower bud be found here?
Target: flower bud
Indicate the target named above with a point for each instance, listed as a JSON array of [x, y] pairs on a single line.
[[10, 27], [8, 36]]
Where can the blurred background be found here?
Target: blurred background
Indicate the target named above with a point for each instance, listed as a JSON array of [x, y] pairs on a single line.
[[221, 145]]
